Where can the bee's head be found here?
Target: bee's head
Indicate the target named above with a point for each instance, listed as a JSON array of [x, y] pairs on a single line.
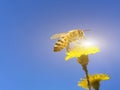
[[81, 33]]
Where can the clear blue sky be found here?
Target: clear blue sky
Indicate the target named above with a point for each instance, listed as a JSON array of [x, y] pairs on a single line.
[[26, 58]]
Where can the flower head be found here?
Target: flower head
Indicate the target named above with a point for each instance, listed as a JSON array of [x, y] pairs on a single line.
[[78, 51], [94, 81]]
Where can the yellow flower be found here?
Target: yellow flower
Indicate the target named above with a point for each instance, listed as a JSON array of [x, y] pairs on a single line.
[[79, 51], [94, 80]]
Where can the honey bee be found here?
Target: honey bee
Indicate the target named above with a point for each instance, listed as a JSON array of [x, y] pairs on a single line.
[[64, 39]]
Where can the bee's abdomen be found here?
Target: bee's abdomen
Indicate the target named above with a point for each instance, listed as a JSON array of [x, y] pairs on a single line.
[[60, 44]]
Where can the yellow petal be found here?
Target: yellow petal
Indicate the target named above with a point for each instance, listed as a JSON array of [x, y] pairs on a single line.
[[79, 51], [93, 78]]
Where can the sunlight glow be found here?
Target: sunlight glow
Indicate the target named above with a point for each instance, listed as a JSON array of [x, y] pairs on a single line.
[[88, 43]]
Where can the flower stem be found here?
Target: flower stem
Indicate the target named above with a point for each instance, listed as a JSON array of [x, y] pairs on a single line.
[[86, 73], [83, 60], [96, 85]]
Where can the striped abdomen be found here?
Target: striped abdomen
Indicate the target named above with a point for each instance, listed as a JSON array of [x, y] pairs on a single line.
[[61, 44]]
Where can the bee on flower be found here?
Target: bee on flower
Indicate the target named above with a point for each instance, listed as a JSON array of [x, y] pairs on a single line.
[[64, 39]]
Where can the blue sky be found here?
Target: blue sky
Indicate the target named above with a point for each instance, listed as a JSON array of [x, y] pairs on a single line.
[[27, 61]]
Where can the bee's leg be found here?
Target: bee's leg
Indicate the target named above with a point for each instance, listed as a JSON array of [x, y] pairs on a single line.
[[67, 48]]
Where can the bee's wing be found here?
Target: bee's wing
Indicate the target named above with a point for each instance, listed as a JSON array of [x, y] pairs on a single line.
[[55, 36]]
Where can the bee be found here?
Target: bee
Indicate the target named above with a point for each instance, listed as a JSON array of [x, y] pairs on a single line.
[[64, 39]]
